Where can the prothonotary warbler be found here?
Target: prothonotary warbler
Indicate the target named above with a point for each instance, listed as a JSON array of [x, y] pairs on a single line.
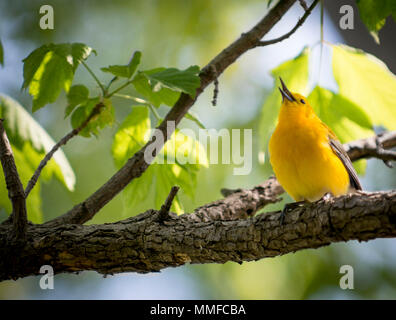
[[306, 156]]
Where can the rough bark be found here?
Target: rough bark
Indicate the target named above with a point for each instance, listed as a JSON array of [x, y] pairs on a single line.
[[145, 244]]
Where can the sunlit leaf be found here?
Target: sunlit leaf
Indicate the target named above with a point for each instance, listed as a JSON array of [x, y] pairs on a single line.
[[131, 135], [374, 13], [50, 68], [103, 116], [77, 94], [366, 81]]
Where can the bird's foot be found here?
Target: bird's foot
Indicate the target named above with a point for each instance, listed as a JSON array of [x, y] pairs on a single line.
[[288, 207]]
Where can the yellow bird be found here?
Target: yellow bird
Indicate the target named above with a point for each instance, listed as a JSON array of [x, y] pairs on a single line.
[[306, 156]]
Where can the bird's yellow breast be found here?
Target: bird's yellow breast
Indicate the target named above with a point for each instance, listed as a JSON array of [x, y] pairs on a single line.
[[302, 159]]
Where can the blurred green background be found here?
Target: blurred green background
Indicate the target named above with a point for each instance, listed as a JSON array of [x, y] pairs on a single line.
[[178, 33]]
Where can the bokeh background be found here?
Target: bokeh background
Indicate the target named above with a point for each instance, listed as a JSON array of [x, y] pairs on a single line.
[[177, 33]]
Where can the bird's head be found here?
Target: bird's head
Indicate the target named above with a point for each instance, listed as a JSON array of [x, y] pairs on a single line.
[[292, 99]]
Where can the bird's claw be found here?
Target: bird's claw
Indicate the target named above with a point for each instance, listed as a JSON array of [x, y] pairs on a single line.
[[288, 207]]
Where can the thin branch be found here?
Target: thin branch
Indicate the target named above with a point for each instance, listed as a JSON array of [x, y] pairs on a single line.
[[216, 88], [125, 84], [303, 4], [33, 180], [163, 214], [136, 165], [373, 147], [287, 35], [14, 185]]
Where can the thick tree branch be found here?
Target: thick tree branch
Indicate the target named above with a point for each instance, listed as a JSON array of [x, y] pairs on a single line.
[[136, 165], [14, 185], [33, 180], [143, 244]]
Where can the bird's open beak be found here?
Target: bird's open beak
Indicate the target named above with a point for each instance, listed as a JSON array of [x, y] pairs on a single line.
[[285, 92]]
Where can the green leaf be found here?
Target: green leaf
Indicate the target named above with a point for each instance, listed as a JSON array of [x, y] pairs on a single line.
[[131, 135], [104, 117], [50, 68], [125, 71], [22, 128], [118, 70], [294, 73], [366, 81], [374, 13], [186, 81], [1, 54], [348, 121], [156, 98], [77, 94], [166, 171], [134, 63]]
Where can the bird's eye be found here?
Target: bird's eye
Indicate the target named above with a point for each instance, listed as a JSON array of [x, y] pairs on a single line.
[[302, 101]]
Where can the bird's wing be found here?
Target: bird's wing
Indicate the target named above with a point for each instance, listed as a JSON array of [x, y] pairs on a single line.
[[338, 149]]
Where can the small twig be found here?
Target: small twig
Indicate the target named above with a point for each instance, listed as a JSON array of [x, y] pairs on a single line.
[[303, 4], [385, 155], [33, 180], [111, 82], [287, 35], [373, 147], [216, 86], [14, 185], [127, 83], [164, 211]]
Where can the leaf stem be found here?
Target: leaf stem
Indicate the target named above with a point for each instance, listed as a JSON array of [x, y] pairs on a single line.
[[125, 96], [119, 88], [95, 77], [157, 116]]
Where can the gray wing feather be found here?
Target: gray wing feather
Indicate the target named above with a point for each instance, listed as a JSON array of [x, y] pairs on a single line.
[[338, 149]]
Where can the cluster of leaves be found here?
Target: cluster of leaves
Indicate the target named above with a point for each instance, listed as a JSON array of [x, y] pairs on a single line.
[[51, 68], [374, 13], [366, 95]]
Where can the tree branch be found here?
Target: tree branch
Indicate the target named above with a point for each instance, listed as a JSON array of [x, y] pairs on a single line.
[[163, 214], [373, 147], [33, 180], [298, 25], [14, 185], [142, 244], [136, 165]]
